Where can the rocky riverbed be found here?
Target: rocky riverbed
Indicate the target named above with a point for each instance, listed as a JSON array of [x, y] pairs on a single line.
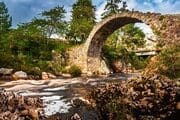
[[63, 95]]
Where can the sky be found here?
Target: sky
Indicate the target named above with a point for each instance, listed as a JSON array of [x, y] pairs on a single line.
[[24, 10]]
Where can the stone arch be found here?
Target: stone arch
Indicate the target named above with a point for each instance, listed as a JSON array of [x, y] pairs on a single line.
[[166, 26]]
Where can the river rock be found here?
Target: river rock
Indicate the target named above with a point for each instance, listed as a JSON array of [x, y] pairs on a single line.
[[117, 66], [20, 75], [16, 107], [5, 71], [47, 76], [44, 76], [76, 117], [51, 76], [66, 75], [149, 97]]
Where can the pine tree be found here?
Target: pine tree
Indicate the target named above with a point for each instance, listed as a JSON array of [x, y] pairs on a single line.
[[83, 20], [113, 7], [5, 19]]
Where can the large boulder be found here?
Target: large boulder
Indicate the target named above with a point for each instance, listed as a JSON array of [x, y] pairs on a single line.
[[6, 71], [19, 75]]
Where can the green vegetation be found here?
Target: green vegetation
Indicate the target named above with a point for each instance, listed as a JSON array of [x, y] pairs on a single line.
[[83, 20], [29, 47], [53, 21], [112, 7], [169, 62], [5, 19], [75, 71], [122, 44]]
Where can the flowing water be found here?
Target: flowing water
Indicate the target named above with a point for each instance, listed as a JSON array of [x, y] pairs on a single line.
[[57, 94]]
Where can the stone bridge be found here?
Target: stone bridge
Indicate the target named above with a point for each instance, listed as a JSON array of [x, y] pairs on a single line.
[[88, 55]]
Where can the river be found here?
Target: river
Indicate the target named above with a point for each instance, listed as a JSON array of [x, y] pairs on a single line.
[[57, 94]]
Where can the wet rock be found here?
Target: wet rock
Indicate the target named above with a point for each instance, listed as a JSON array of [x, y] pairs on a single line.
[[51, 76], [66, 75], [76, 117], [19, 75], [178, 106], [5, 71], [16, 107], [117, 66], [45, 76], [1, 89], [153, 96], [55, 117], [6, 77]]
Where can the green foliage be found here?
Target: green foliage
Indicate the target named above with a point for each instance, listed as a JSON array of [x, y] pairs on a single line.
[[139, 62], [83, 20], [132, 37], [5, 24], [112, 7], [29, 47], [121, 44], [5, 19], [53, 20], [75, 71], [170, 61]]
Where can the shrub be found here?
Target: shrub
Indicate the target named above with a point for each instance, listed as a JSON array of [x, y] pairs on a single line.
[[75, 71], [170, 62]]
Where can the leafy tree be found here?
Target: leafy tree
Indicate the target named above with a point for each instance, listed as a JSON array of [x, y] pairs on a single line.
[[5, 18], [83, 20], [121, 44], [52, 21], [113, 7], [132, 37]]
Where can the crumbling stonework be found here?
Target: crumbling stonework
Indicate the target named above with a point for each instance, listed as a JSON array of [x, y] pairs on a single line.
[[88, 55]]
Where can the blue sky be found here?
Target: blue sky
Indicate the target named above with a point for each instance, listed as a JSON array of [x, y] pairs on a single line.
[[25, 10]]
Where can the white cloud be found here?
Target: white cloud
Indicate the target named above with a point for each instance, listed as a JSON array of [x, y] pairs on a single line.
[[169, 8], [132, 4]]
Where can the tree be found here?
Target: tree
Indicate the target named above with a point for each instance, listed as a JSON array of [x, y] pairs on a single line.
[[113, 7], [132, 37], [5, 24], [83, 20], [121, 44], [52, 22], [5, 18]]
